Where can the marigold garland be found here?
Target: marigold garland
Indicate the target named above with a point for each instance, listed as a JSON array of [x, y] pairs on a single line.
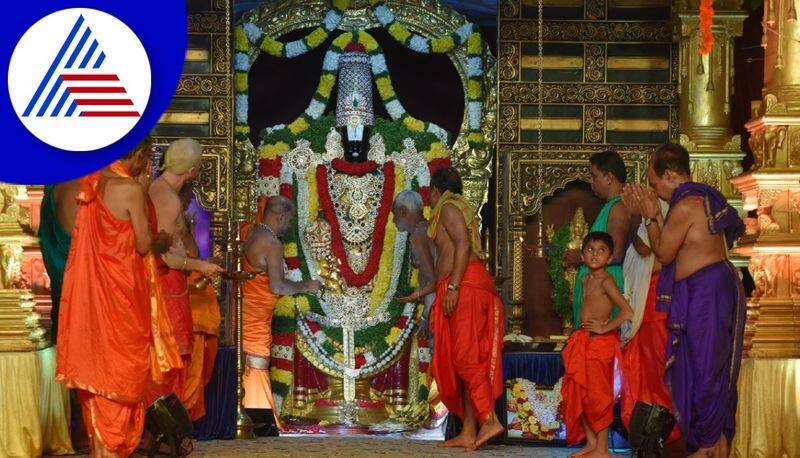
[[706, 21], [468, 34]]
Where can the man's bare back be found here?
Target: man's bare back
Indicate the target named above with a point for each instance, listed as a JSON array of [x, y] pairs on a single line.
[[451, 226], [169, 210], [64, 196], [700, 248]]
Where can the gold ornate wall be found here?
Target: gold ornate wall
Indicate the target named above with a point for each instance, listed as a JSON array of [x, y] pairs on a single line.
[[609, 80]]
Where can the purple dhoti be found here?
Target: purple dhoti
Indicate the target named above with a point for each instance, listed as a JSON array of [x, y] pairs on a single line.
[[705, 322]]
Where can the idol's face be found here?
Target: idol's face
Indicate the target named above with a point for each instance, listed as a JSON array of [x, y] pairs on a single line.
[[596, 254], [601, 181]]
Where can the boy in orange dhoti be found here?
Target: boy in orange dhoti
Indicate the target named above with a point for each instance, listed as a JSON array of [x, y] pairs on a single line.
[[588, 384], [467, 316], [112, 332]]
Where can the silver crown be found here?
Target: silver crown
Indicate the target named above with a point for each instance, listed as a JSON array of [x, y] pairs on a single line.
[[354, 102]]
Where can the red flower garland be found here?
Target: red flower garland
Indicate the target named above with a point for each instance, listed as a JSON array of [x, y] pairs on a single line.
[[358, 169], [380, 226], [706, 35]]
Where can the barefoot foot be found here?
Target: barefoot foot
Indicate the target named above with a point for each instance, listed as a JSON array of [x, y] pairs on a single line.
[[488, 430], [462, 440], [587, 449]]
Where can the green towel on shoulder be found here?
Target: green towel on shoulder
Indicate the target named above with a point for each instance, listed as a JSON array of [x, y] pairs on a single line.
[[54, 242]]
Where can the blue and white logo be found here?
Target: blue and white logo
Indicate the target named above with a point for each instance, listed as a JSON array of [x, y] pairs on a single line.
[[79, 79]]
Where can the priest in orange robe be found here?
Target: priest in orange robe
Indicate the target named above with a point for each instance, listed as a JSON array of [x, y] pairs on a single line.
[[112, 331], [467, 316], [264, 255]]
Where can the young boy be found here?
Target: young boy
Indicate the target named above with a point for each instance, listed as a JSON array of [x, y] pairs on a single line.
[[588, 384]]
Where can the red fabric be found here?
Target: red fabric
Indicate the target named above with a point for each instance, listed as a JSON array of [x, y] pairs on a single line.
[[176, 292], [643, 363], [467, 353], [588, 384]]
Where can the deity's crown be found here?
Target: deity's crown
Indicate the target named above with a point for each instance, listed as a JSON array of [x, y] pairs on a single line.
[[354, 102]]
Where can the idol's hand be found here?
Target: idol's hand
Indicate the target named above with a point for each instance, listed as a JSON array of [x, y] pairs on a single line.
[[595, 326], [450, 302]]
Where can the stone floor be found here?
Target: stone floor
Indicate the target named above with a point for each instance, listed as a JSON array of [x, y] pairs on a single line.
[[358, 446]]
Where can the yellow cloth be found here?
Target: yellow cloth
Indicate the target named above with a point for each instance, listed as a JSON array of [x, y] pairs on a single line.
[[54, 407], [768, 414], [460, 202], [20, 426]]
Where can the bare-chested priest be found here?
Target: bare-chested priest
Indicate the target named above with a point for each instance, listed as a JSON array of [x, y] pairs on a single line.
[[181, 167], [467, 316], [264, 255]]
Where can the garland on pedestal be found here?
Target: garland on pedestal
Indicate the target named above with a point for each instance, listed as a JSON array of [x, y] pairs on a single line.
[[538, 411]]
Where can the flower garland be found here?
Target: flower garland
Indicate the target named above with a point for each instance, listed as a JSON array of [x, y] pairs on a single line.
[[539, 411], [706, 21], [468, 33], [562, 299], [379, 344], [321, 98], [254, 35], [275, 143], [358, 169], [337, 242]]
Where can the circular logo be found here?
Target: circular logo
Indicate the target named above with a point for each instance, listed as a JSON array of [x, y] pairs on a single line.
[[79, 79]]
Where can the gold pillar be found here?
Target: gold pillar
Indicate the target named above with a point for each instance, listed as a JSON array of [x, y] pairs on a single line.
[[772, 190], [706, 86], [19, 321]]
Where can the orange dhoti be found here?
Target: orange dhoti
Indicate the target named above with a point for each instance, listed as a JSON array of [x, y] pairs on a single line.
[[467, 354], [588, 384], [258, 307], [104, 331], [643, 363], [206, 321]]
